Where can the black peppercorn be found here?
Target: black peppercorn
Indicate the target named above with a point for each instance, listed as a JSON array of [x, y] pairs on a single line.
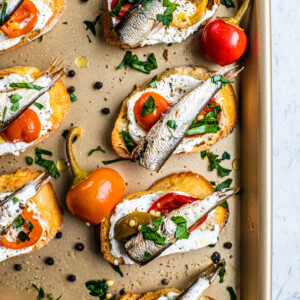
[[84, 0], [216, 257], [211, 245], [105, 111], [49, 261], [71, 73], [227, 245], [18, 267], [71, 278], [58, 234], [165, 281], [71, 89], [79, 246], [98, 85]]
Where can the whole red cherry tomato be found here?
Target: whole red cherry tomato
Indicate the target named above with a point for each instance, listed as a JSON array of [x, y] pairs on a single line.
[[222, 40]]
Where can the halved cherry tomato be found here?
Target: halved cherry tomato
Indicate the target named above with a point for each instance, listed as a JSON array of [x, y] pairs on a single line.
[[27, 10], [26, 128], [34, 235], [146, 122], [172, 201], [124, 9]]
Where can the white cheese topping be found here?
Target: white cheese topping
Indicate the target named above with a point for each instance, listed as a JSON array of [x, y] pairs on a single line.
[[172, 88], [44, 114], [44, 16], [203, 236]]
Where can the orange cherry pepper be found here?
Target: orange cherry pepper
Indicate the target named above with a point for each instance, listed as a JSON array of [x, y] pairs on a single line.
[[94, 194]]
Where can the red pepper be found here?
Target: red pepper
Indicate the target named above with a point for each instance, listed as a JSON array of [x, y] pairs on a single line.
[[172, 201], [222, 40], [124, 9]]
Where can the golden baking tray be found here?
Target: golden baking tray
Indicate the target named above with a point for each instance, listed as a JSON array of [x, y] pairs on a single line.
[[249, 226]]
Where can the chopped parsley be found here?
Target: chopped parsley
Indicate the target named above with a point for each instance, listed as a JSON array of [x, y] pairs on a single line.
[[22, 236], [122, 292], [73, 97], [172, 124], [15, 98], [212, 183], [41, 294], [98, 288], [107, 162], [4, 114], [26, 85], [65, 23], [222, 274], [15, 200], [181, 229], [151, 234], [232, 293], [228, 3], [38, 105], [217, 78], [51, 297], [89, 39], [209, 124], [30, 225], [99, 148], [225, 184], [215, 163], [18, 222], [3, 12], [91, 25], [149, 106], [48, 164], [134, 62], [153, 82], [147, 255], [118, 269], [129, 143], [29, 160], [167, 17], [225, 155], [148, 2]]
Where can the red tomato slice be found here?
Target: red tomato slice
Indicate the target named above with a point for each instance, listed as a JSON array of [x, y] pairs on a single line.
[[26, 128], [172, 201], [124, 9], [146, 122], [35, 235], [26, 10]]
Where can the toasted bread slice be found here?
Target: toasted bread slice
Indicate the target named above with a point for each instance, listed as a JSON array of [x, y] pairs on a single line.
[[229, 109], [188, 182], [57, 7], [156, 295], [112, 37], [46, 203], [59, 98]]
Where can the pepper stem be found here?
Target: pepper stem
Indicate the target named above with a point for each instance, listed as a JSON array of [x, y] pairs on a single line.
[[78, 173], [236, 20]]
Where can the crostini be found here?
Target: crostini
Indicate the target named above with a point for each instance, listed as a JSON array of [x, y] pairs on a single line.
[[145, 106], [133, 24], [30, 214], [32, 105], [24, 21], [193, 292], [122, 231]]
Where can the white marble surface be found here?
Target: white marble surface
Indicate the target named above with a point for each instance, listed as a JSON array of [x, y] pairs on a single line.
[[286, 149]]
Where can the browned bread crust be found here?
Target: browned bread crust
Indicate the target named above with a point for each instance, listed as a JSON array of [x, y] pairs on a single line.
[[188, 182], [229, 108], [58, 8]]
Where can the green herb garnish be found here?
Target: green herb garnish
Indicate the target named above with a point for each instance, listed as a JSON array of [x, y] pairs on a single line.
[[15, 200], [129, 143], [38, 105], [99, 148], [107, 162], [151, 234], [26, 85], [29, 160], [147, 255], [116, 10], [22, 236], [91, 25], [122, 292], [41, 294], [181, 229], [231, 292], [3, 12], [225, 184], [4, 114], [15, 98], [48, 164], [172, 124], [225, 155], [118, 269], [134, 62], [51, 297], [148, 2], [149, 106], [217, 78], [153, 82], [65, 23], [222, 274], [89, 39], [98, 288], [228, 3], [167, 17], [73, 97], [18, 222], [212, 183], [30, 225]]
